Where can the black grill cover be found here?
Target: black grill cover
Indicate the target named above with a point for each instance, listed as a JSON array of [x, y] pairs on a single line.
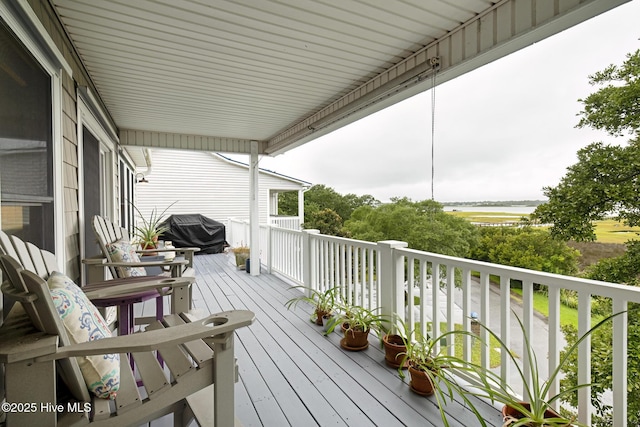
[[195, 230]]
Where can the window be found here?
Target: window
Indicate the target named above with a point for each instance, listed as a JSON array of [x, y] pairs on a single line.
[[127, 180], [26, 144]]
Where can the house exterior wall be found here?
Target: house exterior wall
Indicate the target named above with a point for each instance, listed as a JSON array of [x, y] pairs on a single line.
[[66, 161], [204, 183]]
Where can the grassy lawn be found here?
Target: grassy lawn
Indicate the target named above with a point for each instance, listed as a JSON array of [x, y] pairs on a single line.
[[568, 316], [607, 231], [476, 347], [488, 217]]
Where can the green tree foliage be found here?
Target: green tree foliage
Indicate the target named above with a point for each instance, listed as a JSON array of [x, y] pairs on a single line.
[[614, 107], [327, 221], [621, 269], [288, 203], [605, 180], [423, 225], [320, 197], [526, 247]]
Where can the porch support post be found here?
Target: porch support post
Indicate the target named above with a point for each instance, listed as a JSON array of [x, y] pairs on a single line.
[[254, 212], [391, 276], [308, 259], [300, 208]]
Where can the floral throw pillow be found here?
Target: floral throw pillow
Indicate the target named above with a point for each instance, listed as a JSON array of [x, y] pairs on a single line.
[[122, 251], [83, 322]]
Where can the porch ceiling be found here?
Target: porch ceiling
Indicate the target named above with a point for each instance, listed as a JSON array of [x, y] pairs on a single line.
[[217, 74]]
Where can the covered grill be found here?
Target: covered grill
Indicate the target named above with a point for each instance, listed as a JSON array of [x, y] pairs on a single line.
[[195, 230]]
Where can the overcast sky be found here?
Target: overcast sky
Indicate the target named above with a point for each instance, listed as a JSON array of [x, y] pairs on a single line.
[[503, 131]]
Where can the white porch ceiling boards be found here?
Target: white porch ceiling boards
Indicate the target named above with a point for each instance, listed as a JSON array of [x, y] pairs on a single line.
[[214, 75]]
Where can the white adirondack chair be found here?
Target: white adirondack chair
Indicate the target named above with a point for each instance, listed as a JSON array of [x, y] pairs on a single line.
[[36, 349]]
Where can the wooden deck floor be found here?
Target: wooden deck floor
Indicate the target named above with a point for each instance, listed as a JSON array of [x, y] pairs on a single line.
[[292, 375]]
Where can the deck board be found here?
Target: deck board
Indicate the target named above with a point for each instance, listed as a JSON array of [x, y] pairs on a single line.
[[292, 375]]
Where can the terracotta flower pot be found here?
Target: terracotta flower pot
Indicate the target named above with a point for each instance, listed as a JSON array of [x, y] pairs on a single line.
[[394, 351], [319, 315], [420, 382], [355, 340], [511, 415]]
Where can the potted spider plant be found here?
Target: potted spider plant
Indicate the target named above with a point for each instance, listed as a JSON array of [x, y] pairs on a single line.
[[325, 302], [434, 372], [148, 232], [393, 342], [357, 323], [537, 410]]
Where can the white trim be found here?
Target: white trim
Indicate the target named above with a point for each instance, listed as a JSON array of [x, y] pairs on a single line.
[[108, 146], [26, 25]]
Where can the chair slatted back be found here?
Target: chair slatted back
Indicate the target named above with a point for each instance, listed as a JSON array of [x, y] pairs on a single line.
[[106, 233], [6, 247], [15, 288], [23, 255], [52, 325]]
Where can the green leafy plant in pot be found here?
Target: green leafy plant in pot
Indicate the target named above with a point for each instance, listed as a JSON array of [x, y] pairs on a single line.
[[357, 323], [435, 372], [537, 411], [148, 232], [241, 254], [325, 302], [393, 342]]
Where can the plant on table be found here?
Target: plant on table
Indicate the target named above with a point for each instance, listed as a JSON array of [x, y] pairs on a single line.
[[325, 302], [148, 232], [537, 411]]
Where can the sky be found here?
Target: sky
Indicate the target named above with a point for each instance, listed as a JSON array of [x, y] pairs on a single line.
[[502, 132]]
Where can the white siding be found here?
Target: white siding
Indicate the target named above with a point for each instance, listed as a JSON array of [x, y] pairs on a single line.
[[204, 183]]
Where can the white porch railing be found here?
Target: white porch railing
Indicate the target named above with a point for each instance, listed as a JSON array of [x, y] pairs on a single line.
[[398, 279], [289, 222]]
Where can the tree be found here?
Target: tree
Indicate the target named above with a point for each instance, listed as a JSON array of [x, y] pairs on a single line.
[[423, 225], [615, 107], [326, 221], [605, 180], [526, 247], [288, 203]]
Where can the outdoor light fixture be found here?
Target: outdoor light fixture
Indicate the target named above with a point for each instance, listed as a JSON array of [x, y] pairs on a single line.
[[141, 179]]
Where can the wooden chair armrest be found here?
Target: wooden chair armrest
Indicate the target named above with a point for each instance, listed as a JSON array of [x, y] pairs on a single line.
[[209, 327], [155, 263], [121, 287], [143, 251], [95, 260], [24, 347]]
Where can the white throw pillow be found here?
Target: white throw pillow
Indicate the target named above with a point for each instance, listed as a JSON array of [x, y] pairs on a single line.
[[83, 323], [123, 251]]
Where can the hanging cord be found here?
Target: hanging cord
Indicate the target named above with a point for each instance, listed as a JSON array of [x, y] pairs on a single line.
[[433, 123]]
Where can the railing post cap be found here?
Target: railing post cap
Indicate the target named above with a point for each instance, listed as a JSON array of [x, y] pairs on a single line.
[[393, 244], [311, 231]]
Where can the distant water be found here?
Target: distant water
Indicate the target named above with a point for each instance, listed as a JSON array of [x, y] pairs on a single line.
[[507, 209]]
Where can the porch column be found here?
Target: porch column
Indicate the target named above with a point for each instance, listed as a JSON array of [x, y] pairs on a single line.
[[392, 278], [254, 212], [300, 208]]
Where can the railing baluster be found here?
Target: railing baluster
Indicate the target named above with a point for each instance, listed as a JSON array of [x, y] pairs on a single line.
[[435, 301], [451, 318], [584, 357], [620, 325], [505, 326], [484, 318], [527, 322], [466, 312]]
